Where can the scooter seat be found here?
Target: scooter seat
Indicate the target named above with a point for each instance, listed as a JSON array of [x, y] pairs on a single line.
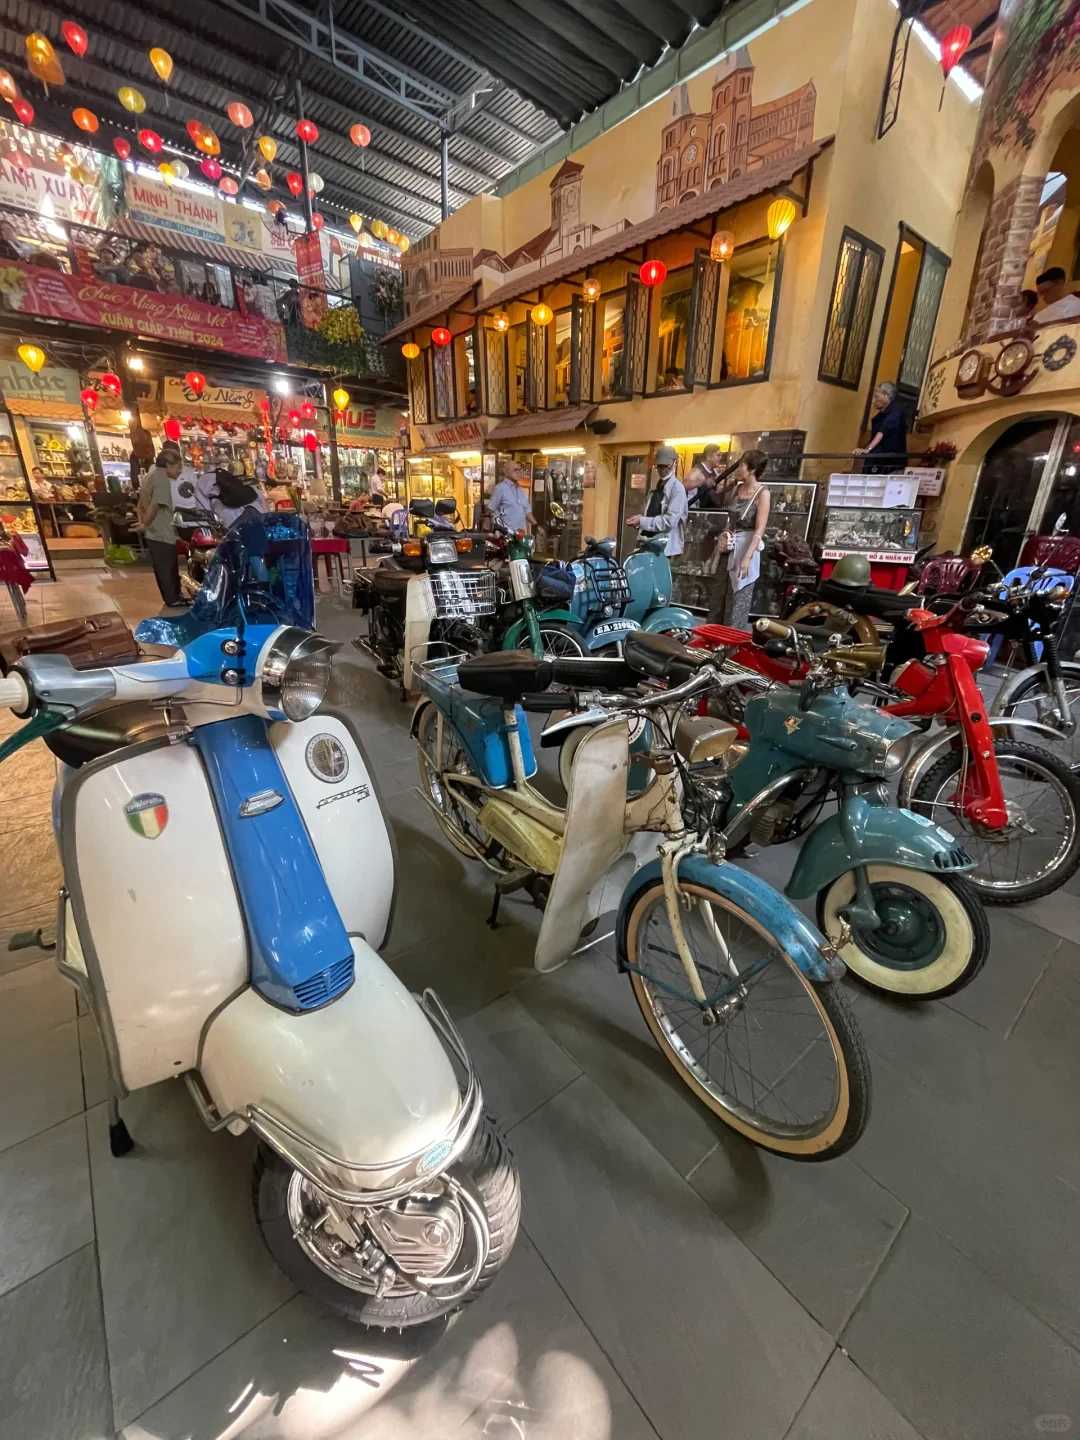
[[508, 674], [870, 600], [662, 657], [389, 581]]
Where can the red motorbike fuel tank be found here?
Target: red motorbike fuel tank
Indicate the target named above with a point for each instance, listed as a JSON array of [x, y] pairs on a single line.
[[912, 677]]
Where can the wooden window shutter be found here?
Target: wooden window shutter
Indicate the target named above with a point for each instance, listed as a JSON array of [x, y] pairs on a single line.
[[582, 320], [636, 341], [701, 331]]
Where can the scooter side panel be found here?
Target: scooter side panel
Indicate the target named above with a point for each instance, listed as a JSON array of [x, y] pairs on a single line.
[[156, 910], [878, 835], [669, 617], [343, 818], [365, 1079]]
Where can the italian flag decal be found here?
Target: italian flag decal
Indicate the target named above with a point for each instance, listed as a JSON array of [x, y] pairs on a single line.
[[147, 815]]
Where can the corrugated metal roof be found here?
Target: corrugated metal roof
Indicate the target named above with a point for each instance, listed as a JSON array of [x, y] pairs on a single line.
[[543, 422]]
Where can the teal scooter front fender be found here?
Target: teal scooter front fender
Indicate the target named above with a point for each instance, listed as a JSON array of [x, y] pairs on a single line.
[[669, 617], [868, 832], [517, 636], [799, 940]]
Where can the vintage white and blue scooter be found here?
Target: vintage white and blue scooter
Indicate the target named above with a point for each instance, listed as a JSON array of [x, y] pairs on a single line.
[[228, 880]]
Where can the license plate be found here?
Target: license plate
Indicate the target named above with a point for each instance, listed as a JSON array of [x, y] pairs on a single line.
[[615, 627]]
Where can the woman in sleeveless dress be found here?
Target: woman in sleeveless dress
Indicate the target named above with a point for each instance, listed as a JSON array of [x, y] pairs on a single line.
[[747, 501]]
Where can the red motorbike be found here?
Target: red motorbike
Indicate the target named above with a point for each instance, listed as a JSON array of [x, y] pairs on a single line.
[[1016, 804]]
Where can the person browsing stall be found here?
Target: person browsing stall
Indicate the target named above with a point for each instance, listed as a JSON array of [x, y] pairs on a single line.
[[888, 431], [509, 505], [155, 520], [746, 498], [667, 506]]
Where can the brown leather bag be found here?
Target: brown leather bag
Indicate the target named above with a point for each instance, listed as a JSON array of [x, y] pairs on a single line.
[[89, 641]]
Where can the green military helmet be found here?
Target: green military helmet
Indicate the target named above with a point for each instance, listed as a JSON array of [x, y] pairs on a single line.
[[852, 571]]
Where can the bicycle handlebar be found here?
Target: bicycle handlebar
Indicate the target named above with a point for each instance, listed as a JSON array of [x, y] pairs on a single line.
[[14, 692]]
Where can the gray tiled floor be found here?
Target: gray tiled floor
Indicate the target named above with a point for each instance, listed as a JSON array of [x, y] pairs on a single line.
[[671, 1281]]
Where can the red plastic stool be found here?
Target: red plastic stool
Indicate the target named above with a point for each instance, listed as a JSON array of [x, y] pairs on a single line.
[[333, 550]]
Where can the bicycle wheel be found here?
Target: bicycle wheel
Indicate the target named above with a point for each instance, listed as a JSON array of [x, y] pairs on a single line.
[[440, 750], [784, 1063], [1034, 701], [1039, 847], [559, 640]]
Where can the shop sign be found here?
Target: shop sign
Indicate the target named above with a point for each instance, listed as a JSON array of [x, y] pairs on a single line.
[[876, 557], [223, 397], [307, 251], [31, 290], [34, 177], [638, 480], [181, 211], [370, 420], [931, 479], [52, 383], [453, 434]]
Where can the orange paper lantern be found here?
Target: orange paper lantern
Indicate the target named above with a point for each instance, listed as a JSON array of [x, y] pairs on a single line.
[[360, 135], [262, 179], [410, 350], [9, 90], [239, 114], [85, 119], [162, 62], [42, 60]]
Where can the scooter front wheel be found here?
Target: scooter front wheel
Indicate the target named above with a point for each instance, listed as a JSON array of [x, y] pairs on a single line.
[[779, 1058], [933, 939], [443, 1227]]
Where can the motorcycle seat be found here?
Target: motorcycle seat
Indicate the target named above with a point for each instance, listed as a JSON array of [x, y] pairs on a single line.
[[869, 600], [662, 657], [512, 674], [390, 582]]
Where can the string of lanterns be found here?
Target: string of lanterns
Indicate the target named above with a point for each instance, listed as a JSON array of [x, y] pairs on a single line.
[[44, 64]]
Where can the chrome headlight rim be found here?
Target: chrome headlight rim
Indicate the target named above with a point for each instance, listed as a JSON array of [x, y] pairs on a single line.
[[442, 551], [896, 754], [289, 647]]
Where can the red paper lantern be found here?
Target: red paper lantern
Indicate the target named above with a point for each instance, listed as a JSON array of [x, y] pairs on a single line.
[[110, 383], [24, 110], [440, 336], [172, 428], [89, 398], [318, 221], [75, 37], [653, 272], [293, 418], [954, 47], [151, 140], [311, 442], [195, 381], [295, 182], [211, 168], [239, 114], [307, 410], [229, 186], [307, 131], [85, 119], [122, 147], [360, 135]]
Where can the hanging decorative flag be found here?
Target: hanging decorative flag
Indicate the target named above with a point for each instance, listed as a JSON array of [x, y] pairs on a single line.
[[239, 114], [360, 135], [75, 37], [162, 62]]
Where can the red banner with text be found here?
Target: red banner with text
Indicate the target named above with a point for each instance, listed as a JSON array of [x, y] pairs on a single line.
[[32, 290]]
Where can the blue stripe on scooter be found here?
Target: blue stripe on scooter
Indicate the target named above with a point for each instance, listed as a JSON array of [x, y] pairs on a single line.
[[301, 954]]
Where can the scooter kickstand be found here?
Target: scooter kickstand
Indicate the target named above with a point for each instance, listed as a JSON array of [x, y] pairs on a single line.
[[120, 1141]]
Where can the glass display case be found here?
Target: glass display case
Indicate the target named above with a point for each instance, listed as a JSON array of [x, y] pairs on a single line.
[[18, 509], [694, 572], [880, 534], [61, 474]]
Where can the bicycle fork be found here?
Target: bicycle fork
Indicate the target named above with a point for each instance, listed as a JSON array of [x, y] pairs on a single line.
[[672, 853]]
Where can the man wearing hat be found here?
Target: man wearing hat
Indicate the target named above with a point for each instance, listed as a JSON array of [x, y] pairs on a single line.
[[155, 512], [666, 508]]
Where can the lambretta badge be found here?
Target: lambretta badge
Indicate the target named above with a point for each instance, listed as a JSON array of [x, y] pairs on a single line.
[[791, 724], [357, 793], [147, 814]]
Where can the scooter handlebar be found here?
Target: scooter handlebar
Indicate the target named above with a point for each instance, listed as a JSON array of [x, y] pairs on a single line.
[[14, 692]]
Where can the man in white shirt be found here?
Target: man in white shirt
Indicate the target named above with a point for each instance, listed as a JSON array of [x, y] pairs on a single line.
[[667, 506], [1058, 301]]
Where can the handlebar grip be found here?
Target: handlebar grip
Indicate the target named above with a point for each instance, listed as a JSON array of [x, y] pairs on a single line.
[[547, 703], [775, 628], [14, 693]]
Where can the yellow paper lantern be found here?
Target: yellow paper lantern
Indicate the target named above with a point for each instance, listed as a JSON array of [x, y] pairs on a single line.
[[356, 221], [378, 229], [166, 171], [267, 147], [403, 243], [722, 245], [162, 62], [590, 291], [42, 60], [131, 99], [541, 314], [32, 356], [780, 217], [501, 322], [410, 350], [340, 398]]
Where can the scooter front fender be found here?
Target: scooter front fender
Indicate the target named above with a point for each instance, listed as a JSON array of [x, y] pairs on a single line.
[[795, 935], [518, 632], [360, 1095], [669, 617], [1010, 686], [868, 832], [934, 746]]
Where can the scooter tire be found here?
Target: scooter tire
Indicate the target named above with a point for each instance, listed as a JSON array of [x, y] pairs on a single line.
[[487, 1169], [954, 900]]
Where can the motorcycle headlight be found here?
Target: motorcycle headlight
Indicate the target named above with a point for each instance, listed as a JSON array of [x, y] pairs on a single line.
[[442, 552], [894, 755], [296, 673]]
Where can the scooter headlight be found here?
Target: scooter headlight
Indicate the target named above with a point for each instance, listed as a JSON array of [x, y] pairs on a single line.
[[442, 552], [894, 755], [296, 673]]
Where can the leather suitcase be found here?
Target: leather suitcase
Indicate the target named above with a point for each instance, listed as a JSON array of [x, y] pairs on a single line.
[[89, 641]]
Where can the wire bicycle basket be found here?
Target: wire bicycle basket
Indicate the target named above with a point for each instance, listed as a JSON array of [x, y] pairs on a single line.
[[462, 594], [606, 587]]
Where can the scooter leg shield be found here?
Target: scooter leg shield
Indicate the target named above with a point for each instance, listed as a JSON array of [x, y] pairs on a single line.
[[360, 1094], [864, 833]]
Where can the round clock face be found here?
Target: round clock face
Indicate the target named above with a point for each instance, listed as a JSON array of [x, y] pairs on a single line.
[[968, 369], [1013, 359]]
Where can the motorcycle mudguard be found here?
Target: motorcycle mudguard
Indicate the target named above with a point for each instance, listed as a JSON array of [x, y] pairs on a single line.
[[934, 746], [1010, 686], [669, 617], [364, 1082], [593, 839], [872, 833], [517, 635], [608, 632], [795, 935]]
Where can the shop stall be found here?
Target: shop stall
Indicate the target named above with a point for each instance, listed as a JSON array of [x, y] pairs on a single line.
[[874, 516]]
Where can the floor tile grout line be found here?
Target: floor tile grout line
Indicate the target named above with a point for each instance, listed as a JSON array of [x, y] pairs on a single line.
[[67, 1119], [590, 1331], [876, 1271], [97, 1273], [689, 1176], [1027, 998], [212, 1358], [813, 1386], [547, 1101], [6, 1294]]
